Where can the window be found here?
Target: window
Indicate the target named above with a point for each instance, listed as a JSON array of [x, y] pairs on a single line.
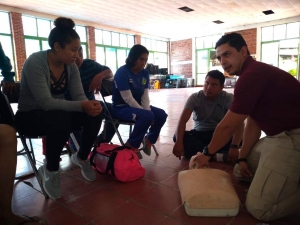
[[279, 46], [206, 59], [158, 51], [112, 48], [6, 38], [37, 30]]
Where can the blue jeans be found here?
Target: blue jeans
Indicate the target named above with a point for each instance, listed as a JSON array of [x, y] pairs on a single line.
[[143, 120]]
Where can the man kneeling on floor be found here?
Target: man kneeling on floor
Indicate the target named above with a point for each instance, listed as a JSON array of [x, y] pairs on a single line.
[[208, 106]]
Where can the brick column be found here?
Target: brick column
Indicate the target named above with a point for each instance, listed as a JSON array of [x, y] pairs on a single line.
[[137, 39], [18, 42], [91, 42]]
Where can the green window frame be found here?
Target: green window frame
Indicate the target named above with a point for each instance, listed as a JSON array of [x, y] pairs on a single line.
[[6, 39], [158, 51], [206, 59], [112, 48], [36, 32], [280, 46]]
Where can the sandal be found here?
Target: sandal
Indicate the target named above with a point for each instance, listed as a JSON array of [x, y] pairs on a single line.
[[33, 219]]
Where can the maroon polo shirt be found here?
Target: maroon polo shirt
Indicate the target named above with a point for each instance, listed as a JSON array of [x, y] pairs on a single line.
[[269, 95]]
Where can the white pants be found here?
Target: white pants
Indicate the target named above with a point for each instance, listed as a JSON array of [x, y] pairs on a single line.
[[275, 188]]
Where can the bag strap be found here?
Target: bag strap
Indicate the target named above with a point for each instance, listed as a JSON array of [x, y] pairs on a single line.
[[117, 149], [110, 164]]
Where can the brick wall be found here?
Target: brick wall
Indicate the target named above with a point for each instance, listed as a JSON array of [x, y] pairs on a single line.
[[91, 42], [137, 39], [181, 57], [18, 42], [250, 37]]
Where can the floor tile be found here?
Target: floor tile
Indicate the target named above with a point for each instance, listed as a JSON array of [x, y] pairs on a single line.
[[95, 204], [160, 198], [171, 221], [22, 190], [181, 215], [130, 214], [35, 204], [246, 218], [130, 189], [63, 216], [73, 188], [158, 173], [171, 182]]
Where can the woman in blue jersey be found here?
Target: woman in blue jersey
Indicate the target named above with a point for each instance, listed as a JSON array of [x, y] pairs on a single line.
[[131, 100]]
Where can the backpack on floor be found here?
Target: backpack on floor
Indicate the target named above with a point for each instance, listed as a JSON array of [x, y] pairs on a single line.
[[119, 161]]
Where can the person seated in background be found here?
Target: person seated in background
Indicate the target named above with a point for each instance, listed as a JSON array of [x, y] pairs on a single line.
[[209, 106], [42, 109], [92, 74], [131, 101], [8, 82]]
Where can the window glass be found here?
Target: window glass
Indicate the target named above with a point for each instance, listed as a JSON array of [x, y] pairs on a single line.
[[6, 43], [123, 40], [161, 59], [270, 53], [153, 45], [208, 42], [115, 39], [98, 36], [267, 34], [279, 32], [84, 50], [100, 56], [202, 61], [121, 56], [143, 41], [164, 46], [31, 46], [151, 57], [5, 23], [110, 54], [106, 37], [43, 28], [148, 44], [292, 30], [81, 31], [29, 25], [130, 39], [45, 45], [199, 43]]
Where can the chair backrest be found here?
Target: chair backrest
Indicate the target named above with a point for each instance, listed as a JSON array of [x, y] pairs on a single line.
[[107, 87]]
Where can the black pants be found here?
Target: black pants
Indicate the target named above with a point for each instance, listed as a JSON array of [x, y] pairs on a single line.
[[194, 141], [57, 125]]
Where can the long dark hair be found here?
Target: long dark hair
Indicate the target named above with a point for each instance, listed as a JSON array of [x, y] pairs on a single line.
[[63, 32], [135, 52]]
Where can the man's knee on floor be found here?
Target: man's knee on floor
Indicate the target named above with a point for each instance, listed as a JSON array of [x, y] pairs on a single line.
[[261, 209]]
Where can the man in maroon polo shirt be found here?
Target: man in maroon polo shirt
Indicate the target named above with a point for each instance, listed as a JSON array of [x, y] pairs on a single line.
[[269, 98]]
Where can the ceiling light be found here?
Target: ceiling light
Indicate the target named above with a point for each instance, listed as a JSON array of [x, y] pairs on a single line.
[[268, 12], [186, 9], [218, 21]]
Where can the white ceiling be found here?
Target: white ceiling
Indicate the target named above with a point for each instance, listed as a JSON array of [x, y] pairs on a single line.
[[162, 17]]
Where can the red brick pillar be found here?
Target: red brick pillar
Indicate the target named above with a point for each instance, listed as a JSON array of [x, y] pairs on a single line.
[[137, 39], [18, 42], [91, 42]]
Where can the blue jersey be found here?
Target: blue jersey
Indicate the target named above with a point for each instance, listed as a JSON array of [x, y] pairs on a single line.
[[125, 80]]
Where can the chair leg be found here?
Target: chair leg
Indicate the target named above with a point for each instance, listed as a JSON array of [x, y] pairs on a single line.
[[155, 150], [32, 162]]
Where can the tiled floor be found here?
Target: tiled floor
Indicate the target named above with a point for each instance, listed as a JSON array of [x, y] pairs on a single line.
[[154, 199]]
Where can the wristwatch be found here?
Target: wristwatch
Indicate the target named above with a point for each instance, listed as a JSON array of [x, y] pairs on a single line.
[[206, 152]]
